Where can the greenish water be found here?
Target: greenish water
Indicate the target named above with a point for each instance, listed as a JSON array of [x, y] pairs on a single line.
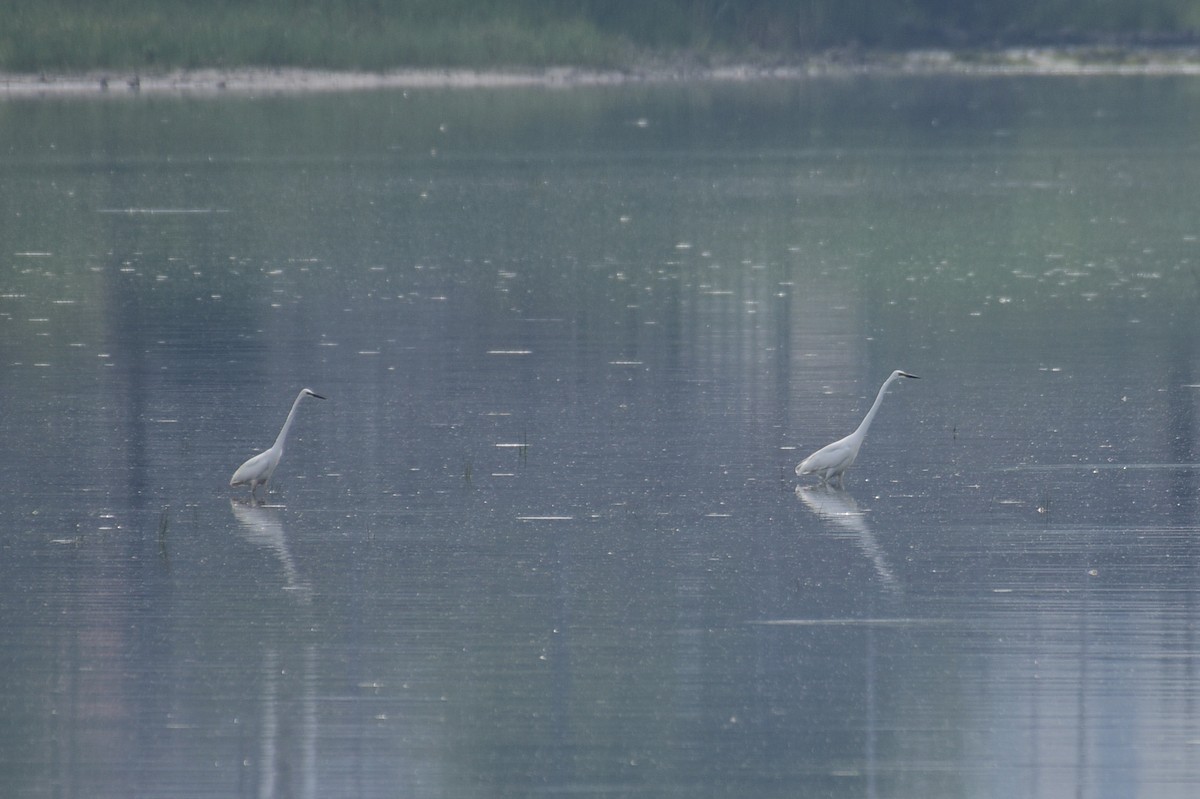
[[545, 535]]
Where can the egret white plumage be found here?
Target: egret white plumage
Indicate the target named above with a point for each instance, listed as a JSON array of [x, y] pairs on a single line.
[[831, 461], [258, 470]]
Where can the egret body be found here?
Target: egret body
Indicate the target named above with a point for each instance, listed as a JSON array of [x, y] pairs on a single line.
[[258, 470], [831, 461]]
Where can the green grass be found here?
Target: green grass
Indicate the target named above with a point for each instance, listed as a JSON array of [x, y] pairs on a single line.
[[78, 35]]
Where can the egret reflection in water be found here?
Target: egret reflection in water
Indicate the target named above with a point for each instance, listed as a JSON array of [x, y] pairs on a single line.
[[262, 526], [841, 510]]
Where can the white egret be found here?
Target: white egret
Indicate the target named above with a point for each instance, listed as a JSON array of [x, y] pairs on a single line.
[[832, 460], [258, 470]]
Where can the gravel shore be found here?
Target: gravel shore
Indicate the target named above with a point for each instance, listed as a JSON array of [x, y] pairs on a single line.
[[249, 81]]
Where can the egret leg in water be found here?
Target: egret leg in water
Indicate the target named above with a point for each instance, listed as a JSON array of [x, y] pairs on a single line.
[[831, 461], [258, 470]]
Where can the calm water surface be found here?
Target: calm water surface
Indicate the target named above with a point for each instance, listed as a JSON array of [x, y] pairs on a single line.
[[544, 537]]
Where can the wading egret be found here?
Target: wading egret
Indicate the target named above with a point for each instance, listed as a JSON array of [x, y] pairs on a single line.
[[831, 461], [258, 470]]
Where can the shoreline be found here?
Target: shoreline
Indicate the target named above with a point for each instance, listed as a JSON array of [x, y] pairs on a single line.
[[1061, 61]]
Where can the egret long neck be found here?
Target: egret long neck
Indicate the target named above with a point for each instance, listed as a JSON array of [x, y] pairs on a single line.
[[291, 416], [861, 432]]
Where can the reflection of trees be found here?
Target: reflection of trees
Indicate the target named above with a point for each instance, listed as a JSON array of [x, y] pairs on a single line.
[[276, 736]]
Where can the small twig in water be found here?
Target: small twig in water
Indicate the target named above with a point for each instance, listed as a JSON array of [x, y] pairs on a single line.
[[164, 524]]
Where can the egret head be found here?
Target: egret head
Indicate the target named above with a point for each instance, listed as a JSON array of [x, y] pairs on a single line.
[[308, 392], [899, 373]]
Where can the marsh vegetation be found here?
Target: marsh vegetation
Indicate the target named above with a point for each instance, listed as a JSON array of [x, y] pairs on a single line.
[[71, 35]]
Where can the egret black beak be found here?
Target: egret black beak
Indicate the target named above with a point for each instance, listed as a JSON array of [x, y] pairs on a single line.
[[906, 374], [314, 394]]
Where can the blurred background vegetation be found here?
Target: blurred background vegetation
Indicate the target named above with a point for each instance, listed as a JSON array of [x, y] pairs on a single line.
[[66, 35]]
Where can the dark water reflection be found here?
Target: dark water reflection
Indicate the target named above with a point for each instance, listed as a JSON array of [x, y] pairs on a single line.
[[545, 536]]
